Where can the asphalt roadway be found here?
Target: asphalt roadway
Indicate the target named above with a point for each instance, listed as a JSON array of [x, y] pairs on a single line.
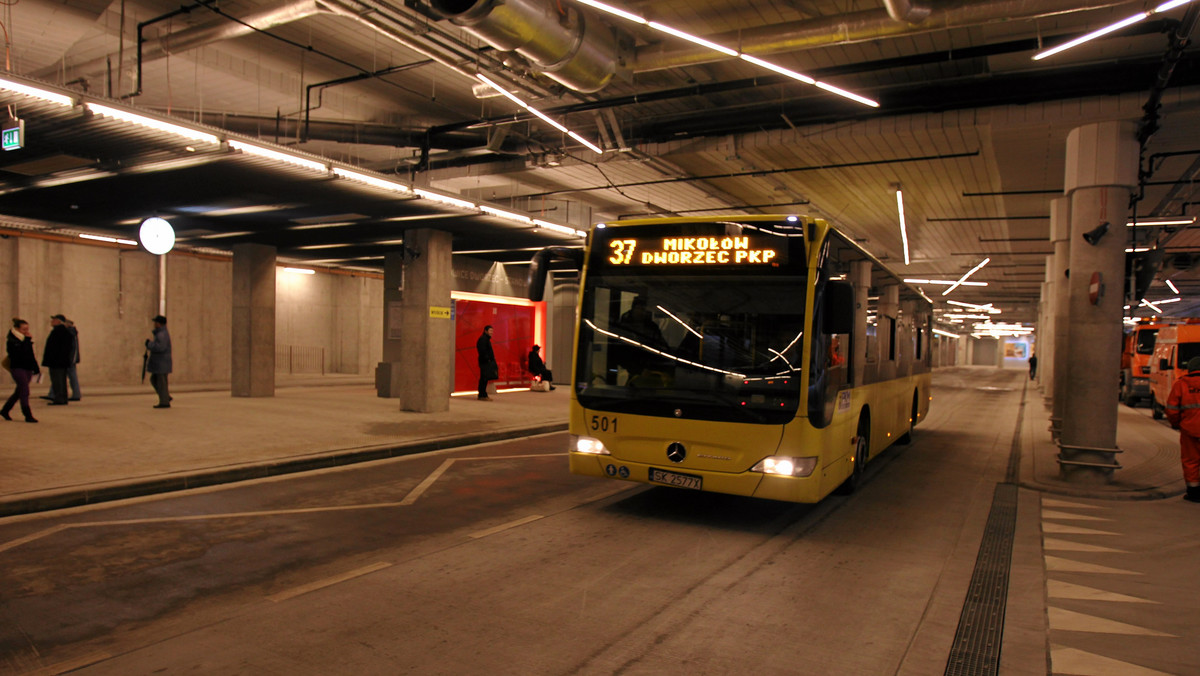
[[492, 559]]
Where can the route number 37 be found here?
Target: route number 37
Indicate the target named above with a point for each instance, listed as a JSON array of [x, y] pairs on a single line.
[[602, 423], [622, 251]]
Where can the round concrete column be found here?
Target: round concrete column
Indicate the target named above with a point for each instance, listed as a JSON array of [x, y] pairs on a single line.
[[1102, 163], [1060, 231]]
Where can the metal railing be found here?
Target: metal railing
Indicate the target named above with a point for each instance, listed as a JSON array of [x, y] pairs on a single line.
[[299, 359]]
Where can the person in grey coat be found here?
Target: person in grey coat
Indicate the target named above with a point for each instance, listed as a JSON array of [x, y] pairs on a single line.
[[159, 363]]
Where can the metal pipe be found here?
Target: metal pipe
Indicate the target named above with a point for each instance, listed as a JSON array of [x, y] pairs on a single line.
[[854, 27], [558, 40], [907, 11]]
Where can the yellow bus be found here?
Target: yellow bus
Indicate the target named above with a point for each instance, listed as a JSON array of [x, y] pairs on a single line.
[[764, 356]]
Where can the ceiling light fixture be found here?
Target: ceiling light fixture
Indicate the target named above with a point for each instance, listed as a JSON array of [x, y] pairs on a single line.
[[112, 240], [444, 199], [36, 92], [964, 277], [508, 95], [1150, 305], [507, 215], [300, 271], [944, 282], [1169, 221], [903, 227], [1172, 285], [159, 125], [559, 228], [287, 158], [1128, 21], [946, 333], [628, 16], [987, 307], [372, 180]]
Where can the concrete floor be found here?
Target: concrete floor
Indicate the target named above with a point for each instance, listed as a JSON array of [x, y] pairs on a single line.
[[492, 559]]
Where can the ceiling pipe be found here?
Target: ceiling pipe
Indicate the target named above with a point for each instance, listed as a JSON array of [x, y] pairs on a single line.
[[853, 27], [559, 40], [907, 11]]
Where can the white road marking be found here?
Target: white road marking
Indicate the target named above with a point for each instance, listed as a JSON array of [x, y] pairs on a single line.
[[327, 582], [12, 544], [1055, 502], [1065, 590], [1060, 565], [1054, 544], [1066, 620], [1047, 514], [1065, 660], [69, 665], [1051, 527], [416, 493], [505, 526]]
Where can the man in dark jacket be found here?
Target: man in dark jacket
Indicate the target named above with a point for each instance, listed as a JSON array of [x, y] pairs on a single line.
[[488, 368], [58, 356], [159, 364]]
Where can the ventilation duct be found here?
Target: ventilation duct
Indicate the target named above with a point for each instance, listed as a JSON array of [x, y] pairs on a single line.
[[907, 10], [558, 40]]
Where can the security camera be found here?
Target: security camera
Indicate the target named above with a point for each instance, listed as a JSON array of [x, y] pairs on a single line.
[[1094, 235]]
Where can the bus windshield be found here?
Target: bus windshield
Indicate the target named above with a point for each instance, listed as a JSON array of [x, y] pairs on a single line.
[[700, 341]]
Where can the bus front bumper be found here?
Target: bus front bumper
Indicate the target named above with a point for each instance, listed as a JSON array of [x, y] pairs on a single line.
[[749, 484]]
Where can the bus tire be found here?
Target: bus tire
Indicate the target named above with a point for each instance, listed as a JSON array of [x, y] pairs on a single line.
[[862, 451], [1130, 400], [1156, 411], [907, 437]]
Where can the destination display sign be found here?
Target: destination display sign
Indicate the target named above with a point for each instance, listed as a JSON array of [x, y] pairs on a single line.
[[721, 251]]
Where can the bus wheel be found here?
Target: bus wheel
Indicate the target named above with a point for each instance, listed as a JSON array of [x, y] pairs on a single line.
[[862, 449], [1156, 411], [1130, 400], [907, 437]]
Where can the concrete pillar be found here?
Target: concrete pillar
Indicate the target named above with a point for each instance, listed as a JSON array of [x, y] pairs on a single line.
[[1102, 164], [1060, 231], [1044, 345], [253, 329], [418, 341]]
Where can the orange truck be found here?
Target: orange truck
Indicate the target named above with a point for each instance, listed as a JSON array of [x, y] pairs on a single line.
[[1173, 347], [1135, 360]]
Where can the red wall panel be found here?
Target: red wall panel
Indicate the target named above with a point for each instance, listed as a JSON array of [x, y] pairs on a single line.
[[511, 340]]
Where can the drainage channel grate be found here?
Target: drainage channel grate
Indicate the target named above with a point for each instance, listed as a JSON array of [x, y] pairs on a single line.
[[976, 647]]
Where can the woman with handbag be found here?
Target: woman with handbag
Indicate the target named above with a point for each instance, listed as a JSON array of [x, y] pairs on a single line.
[[23, 364], [488, 368]]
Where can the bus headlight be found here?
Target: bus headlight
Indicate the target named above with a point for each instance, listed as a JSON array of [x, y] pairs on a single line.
[[588, 445], [785, 465]]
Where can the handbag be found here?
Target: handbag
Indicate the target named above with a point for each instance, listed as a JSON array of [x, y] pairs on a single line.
[[490, 371], [6, 363]]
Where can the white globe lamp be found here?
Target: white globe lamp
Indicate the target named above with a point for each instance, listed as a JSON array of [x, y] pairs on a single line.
[[157, 235]]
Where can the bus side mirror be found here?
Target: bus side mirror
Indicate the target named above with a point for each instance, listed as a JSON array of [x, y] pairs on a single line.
[[1164, 365], [839, 308], [551, 258]]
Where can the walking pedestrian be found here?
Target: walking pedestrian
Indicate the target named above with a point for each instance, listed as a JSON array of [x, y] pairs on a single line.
[[488, 368], [1183, 412], [58, 355], [159, 364], [23, 364], [1032, 366]]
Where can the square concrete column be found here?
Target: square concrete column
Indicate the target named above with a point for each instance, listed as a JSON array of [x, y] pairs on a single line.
[[253, 329], [418, 340]]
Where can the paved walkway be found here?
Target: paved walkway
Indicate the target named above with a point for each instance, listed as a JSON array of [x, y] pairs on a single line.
[[113, 444]]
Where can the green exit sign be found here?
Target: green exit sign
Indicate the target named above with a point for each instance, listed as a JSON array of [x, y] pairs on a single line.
[[13, 135]]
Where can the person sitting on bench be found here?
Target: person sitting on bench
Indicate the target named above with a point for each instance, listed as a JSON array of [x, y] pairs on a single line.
[[538, 367]]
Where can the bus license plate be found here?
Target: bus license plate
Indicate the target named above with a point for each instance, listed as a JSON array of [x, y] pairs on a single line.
[[673, 479]]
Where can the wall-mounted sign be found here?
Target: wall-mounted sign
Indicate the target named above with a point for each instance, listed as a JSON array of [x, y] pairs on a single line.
[[702, 251], [13, 135], [1095, 288], [436, 312]]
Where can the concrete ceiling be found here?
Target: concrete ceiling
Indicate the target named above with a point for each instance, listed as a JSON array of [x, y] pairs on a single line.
[[971, 127]]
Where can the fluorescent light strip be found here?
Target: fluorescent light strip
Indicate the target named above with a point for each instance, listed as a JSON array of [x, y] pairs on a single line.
[[946, 333], [559, 228], [371, 180], [1168, 300], [444, 199], [508, 215], [1128, 21], [903, 227], [590, 146], [1150, 305], [727, 51], [489, 298], [36, 92], [287, 158], [300, 271], [964, 277], [944, 282], [112, 240], [1174, 221], [1172, 285], [158, 125]]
